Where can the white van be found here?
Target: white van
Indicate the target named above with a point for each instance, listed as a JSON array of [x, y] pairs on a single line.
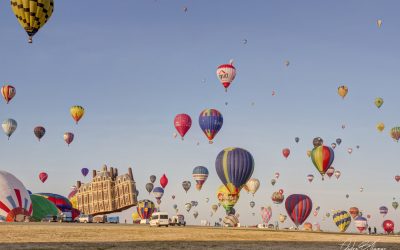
[[159, 219]]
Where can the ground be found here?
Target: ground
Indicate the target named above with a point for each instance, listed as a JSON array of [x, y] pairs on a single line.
[[128, 236]]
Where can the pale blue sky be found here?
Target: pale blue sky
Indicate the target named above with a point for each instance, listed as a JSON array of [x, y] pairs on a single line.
[[135, 64]]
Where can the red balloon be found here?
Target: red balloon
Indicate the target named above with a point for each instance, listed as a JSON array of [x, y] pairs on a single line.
[[163, 181], [397, 178], [388, 226], [281, 191], [286, 152], [43, 176], [182, 123]]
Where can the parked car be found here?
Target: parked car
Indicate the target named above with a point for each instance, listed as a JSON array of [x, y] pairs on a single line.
[[65, 217], [178, 220], [50, 218], [83, 218], [159, 219], [100, 219], [114, 219]]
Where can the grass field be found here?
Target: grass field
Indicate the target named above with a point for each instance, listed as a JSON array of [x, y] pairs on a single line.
[[128, 236]]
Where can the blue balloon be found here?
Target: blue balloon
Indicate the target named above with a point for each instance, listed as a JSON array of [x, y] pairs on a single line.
[[210, 121], [200, 170], [234, 165]]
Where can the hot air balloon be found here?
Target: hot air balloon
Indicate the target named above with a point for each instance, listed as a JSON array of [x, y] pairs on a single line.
[[378, 102], [287, 63], [395, 133], [309, 153], [77, 113], [342, 91], [145, 209], [210, 121], [62, 203], [318, 141], [322, 158], [330, 171], [43, 177], [231, 220], [354, 212], [273, 181], [234, 165], [310, 177], [153, 178], [286, 152], [68, 137], [200, 175], [163, 181], [252, 204], [347, 196], [8, 92], [226, 74], [39, 132], [297, 139], [173, 197], [277, 175], [149, 187], [32, 14], [253, 185], [186, 185], [333, 145], [266, 214], [228, 195], [337, 174], [42, 208], [214, 207], [135, 217], [195, 214], [9, 126], [383, 210], [361, 189], [361, 223], [298, 207], [395, 205], [380, 126], [349, 150], [277, 197], [188, 206], [307, 226], [342, 220], [388, 226], [379, 23], [182, 123], [315, 213], [158, 193], [84, 171], [397, 178], [282, 218]]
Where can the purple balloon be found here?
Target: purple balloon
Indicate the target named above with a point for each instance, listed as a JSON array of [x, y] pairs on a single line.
[[85, 171]]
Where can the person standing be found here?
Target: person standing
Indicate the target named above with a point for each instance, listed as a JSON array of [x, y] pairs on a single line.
[[369, 230], [374, 230]]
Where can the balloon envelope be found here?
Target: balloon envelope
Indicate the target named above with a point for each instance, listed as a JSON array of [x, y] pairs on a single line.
[[342, 220], [39, 132], [8, 92], [182, 123], [84, 171], [298, 207], [163, 181], [210, 121], [43, 177], [200, 175]]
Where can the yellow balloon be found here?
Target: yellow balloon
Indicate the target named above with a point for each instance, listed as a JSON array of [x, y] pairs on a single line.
[[135, 216], [32, 14], [309, 153], [380, 126], [342, 91], [77, 113]]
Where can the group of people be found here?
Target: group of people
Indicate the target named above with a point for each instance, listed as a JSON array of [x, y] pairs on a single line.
[[369, 230]]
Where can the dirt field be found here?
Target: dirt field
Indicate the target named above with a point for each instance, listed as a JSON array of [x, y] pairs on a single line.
[[126, 236]]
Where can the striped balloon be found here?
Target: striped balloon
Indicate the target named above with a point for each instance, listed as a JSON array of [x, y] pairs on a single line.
[[226, 74], [383, 210], [234, 165], [200, 175], [298, 207], [361, 223], [322, 158], [158, 193], [210, 121], [266, 214], [395, 133], [8, 92], [342, 220], [145, 209]]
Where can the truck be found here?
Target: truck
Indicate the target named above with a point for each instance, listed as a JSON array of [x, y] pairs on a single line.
[[114, 219], [178, 220], [100, 219], [65, 217], [83, 218]]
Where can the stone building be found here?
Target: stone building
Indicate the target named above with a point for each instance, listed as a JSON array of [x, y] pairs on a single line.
[[107, 192]]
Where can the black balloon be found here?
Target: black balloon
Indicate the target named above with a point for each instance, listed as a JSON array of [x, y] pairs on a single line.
[[317, 142]]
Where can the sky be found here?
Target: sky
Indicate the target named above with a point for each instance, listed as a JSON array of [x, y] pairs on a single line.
[[134, 65]]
